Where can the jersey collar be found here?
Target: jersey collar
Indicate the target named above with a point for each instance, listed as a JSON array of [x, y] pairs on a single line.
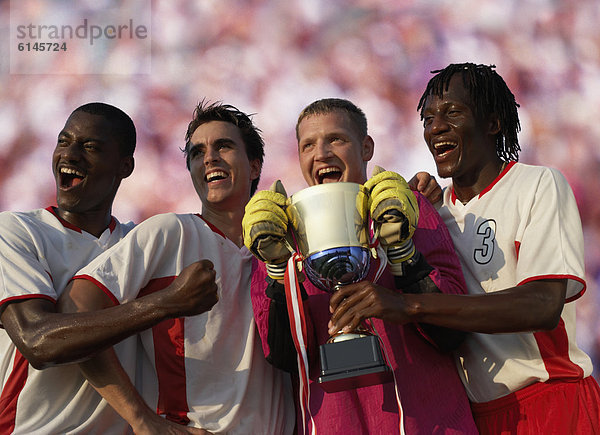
[[111, 226], [212, 227], [454, 198]]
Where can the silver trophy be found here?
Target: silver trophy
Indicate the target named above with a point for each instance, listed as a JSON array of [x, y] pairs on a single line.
[[330, 226]]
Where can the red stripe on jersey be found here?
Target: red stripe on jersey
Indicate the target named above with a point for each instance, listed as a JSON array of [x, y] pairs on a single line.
[[111, 225], [517, 248], [212, 227], [581, 292], [23, 297], [169, 357], [62, 221], [453, 196], [10, 393], [498, 178], [98, 284], [573, 277], [554, 349]]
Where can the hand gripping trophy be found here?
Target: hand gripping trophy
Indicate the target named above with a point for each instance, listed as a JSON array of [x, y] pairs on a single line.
[[329, 228]]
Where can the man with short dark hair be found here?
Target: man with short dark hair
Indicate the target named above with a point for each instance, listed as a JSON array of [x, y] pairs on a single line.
[[206, 371], [334, 146], [40, 250]]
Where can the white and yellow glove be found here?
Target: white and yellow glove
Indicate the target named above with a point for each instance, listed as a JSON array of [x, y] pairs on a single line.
[[265, 227], [395, 211]]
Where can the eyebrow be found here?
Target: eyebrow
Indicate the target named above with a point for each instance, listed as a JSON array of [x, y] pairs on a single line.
[[64, 133], [220, 141], [81, 139]]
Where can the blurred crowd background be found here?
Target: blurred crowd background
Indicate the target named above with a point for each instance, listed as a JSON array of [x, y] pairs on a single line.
[[272, 58]]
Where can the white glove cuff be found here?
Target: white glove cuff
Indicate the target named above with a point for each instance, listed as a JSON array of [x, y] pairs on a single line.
[[401, 256], [276, 271]]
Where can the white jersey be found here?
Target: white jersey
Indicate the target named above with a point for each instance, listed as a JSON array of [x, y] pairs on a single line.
[[525, 226], [39, 254], [210, 368]]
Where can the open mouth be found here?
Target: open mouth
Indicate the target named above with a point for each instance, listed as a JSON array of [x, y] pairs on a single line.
[[329, 175], [69, 177], [444, 148], [215, 176]]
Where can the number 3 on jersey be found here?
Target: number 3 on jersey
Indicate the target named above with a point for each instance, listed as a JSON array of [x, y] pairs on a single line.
[[485, 241]]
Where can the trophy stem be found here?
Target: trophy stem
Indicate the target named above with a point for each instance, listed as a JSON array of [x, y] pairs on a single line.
[[359, 332], [352, 359]]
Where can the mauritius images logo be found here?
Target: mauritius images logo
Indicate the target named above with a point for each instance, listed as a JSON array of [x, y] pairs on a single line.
[[58, 37]]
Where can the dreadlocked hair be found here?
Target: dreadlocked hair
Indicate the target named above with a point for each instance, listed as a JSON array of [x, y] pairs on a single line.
[[489, 95]]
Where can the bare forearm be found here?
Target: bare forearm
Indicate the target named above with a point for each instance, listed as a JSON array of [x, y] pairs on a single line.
[[89, 332], [524, 308], [46, 337], [105, 373], [533, 306]]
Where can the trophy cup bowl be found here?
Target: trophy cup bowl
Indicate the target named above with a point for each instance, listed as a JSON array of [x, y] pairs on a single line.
[[331, 229]]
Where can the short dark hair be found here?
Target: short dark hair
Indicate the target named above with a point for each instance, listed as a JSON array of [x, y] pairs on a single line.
[[328, 105], [489, 96], [217, 111], [123, 126]]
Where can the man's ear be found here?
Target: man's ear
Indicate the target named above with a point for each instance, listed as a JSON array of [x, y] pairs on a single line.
[[368, 148], [255, 169], [494, 124], [127, 165]]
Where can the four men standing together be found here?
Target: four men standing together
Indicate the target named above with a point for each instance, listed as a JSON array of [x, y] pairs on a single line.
[[501, 301]]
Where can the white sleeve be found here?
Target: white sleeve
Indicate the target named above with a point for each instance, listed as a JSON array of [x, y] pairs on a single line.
[[23, 271], [552, 236], [148, 252]]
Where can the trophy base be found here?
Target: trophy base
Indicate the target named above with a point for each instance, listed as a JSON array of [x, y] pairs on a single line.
[[352, 363]]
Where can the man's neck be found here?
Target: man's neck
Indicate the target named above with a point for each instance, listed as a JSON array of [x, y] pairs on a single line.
[[466, 188], [228, 222], [93, 222]]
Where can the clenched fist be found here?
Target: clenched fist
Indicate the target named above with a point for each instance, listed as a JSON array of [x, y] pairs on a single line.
[[194, 291]]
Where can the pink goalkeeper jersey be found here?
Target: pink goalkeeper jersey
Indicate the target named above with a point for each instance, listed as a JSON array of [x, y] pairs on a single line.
[[208, 369], [525, 226], [432, 396], [39, 253]]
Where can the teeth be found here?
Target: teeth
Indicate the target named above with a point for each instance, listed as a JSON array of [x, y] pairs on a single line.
[[444, 144], [69, 171], [327, 171], [216, 174]]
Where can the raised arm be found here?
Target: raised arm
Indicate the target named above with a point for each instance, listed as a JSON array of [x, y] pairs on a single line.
[[47, 337]]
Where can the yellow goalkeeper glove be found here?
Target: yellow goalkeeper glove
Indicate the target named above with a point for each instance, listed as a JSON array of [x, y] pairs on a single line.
[[265, 227], [395, 211]]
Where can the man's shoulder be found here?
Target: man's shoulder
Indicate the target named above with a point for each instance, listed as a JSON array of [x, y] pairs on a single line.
[[536, 175], [168, 223], [165, 219], [16, 219], [524, 169]]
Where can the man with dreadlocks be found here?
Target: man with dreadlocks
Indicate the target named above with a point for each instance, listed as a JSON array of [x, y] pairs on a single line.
[[518, 234]]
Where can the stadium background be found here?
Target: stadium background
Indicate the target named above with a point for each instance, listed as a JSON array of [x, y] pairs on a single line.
[[272, 58]]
